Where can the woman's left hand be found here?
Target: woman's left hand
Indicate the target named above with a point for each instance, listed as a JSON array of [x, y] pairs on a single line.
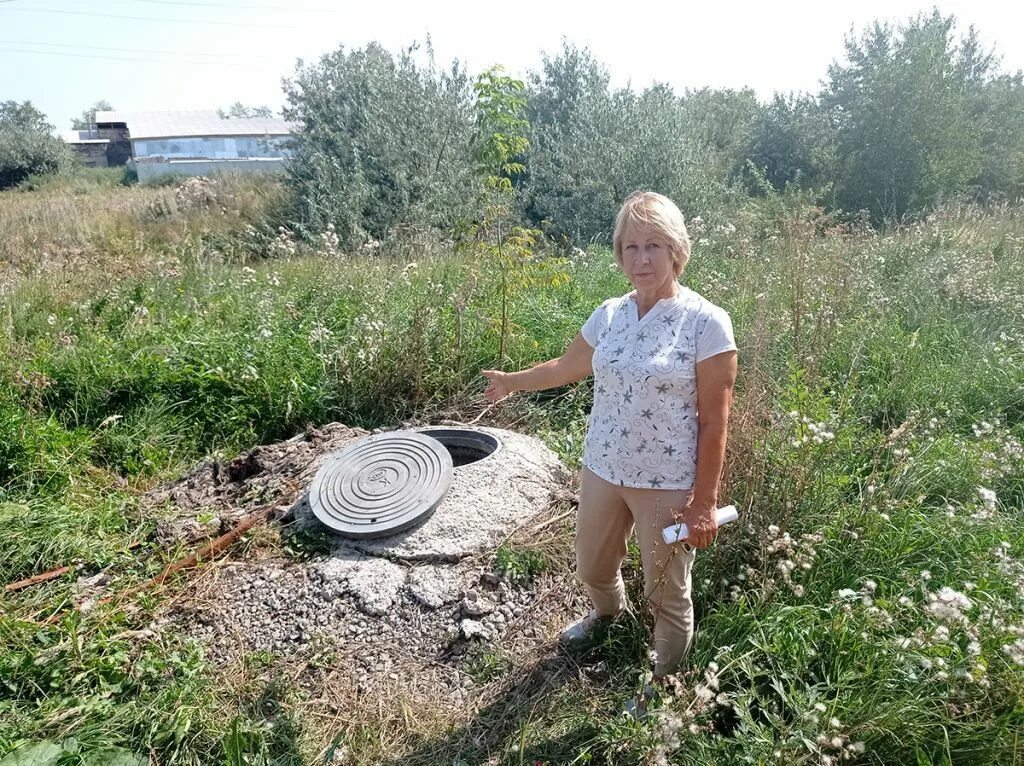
[[699, 517]]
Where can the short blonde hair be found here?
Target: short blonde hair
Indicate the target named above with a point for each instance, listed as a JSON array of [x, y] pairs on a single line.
[[654, 211]]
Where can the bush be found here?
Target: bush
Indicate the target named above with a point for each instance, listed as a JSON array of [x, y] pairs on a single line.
[[792, 143], [129, 176], [384, 141], [902, 105], [27, 146], [591, 146]]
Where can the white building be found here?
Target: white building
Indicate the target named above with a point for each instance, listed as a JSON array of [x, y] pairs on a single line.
[[197, 143]]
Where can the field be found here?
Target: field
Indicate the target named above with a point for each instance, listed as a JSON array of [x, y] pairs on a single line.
[[869, 609]]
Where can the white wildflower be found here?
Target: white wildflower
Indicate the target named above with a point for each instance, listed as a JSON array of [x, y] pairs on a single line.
[[948, 604], [319, 334], [1015, 651]]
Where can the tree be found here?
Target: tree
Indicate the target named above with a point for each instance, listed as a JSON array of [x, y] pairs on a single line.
[[87, 120], [722, 121], [238, 110], [383, 141], [576, 133], [998, 117], [497, 146], [27, 144], [904, 107], [791, 142], [591, 146]]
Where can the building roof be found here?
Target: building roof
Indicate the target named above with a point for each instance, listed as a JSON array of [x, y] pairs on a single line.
[[142, 125], [82, 137]]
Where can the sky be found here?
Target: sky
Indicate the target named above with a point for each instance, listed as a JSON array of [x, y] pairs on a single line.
[[64, 55]]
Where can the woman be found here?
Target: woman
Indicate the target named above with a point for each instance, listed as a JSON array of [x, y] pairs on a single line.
[[664, 366]]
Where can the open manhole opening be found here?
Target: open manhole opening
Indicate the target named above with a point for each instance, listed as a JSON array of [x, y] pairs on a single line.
[[464, 445]]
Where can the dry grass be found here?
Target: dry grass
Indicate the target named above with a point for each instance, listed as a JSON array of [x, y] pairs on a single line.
[[73, 235], [67, 235]]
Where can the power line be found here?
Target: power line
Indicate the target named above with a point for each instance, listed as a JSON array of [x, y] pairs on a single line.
[[150, 18], [119, 50], [237, 6], [142, 60]]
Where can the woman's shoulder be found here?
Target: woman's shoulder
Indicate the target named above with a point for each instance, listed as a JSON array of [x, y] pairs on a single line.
[[610, 305], [602, 318], [703, 306], [713, 328]]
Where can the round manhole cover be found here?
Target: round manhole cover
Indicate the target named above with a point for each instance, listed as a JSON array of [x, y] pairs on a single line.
[[381, 485]]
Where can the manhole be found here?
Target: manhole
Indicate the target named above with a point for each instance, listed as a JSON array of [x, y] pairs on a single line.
[[464, 444], [381, 485]]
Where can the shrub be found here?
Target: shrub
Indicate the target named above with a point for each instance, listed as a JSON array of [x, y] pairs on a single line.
[[384, 141], [27, 146]]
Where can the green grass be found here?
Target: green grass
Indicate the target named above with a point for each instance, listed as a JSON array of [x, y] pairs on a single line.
[[518, 564], [881, 386], [78, 181]]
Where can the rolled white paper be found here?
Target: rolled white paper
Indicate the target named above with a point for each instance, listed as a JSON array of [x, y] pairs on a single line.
[[678, 532]]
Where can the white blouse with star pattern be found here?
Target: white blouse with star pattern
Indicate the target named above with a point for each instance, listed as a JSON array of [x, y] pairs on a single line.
[[643, 425]]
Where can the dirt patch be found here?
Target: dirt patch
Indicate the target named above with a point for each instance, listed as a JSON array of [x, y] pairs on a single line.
[[212, 497], [288, 611], [412, 610]]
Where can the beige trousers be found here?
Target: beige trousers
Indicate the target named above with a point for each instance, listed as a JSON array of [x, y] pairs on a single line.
[[607, 515]]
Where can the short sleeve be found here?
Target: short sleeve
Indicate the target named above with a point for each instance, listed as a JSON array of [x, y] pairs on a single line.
[[715, 334], [595, 326]]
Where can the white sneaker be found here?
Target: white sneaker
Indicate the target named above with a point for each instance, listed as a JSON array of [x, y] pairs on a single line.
[[580, 629], [639, 706]]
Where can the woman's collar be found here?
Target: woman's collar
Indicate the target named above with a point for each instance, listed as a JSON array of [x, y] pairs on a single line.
[[681, 292]]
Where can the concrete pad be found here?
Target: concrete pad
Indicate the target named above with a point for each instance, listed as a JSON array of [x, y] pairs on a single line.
[[435, 586], [374, 582], [487, 501]]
